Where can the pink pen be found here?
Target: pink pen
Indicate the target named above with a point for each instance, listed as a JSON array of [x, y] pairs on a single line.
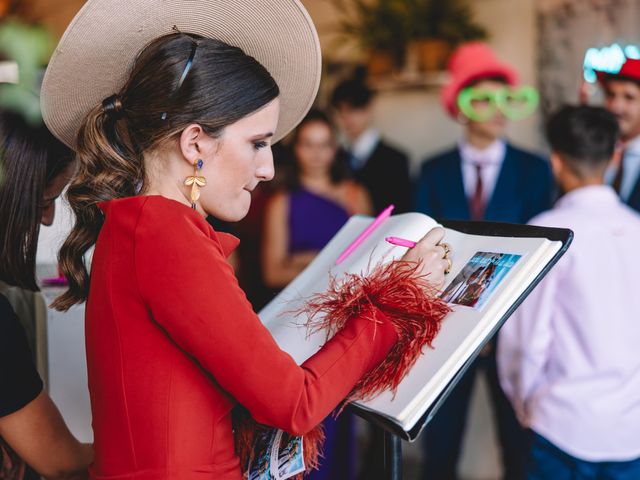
[[367, 231], [401, 242]]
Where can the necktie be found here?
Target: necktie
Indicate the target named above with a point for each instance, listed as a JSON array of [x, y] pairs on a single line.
[[617, 180], [354, 162], [476, 204]]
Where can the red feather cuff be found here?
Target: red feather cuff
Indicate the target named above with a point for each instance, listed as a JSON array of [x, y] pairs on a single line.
[[408, 301]]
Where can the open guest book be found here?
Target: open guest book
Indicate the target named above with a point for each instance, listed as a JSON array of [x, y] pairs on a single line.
[[494, 267]]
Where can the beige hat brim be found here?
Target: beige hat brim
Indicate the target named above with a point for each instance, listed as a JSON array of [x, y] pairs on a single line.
[[94, 56]]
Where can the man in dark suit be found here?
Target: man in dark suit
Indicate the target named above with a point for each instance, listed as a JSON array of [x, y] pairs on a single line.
[[622, 98], [482, 178], [523, 187], [381, 168]]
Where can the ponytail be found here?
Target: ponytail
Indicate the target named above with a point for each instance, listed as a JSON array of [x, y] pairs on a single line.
[[109, 167], [155, 104]]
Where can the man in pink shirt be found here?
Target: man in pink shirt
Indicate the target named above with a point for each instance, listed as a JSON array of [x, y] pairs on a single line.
[[568, 358]]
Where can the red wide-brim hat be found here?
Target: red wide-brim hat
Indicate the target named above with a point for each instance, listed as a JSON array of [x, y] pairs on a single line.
[[469, 63]]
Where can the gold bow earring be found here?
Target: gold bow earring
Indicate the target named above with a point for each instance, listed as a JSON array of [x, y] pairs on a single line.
[[196, 181]]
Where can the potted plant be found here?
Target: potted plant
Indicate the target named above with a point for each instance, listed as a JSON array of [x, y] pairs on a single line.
[[385, 28], [380, 27], [438, 26]]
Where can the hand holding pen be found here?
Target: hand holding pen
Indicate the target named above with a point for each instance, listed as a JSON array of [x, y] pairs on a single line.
[[429, 252], [431, 255]]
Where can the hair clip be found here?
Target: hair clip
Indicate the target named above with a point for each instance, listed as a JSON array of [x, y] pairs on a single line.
[[185, 72]]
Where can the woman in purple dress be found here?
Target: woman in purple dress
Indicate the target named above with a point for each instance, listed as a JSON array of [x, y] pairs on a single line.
[[300, 220], [317, 200]]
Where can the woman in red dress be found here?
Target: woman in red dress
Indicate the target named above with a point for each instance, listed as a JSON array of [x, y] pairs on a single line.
[[175, 130]]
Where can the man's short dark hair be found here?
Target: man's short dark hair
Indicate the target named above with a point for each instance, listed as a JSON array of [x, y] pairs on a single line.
[[613, 77], [585, 137], [354, 93]]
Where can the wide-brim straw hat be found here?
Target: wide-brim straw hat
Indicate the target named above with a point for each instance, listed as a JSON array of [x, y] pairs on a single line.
[[97, 51]]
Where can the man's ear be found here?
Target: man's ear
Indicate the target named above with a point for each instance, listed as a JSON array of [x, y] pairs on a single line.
[[557, 165], [189, 139]]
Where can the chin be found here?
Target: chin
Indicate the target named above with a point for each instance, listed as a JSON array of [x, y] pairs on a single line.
[[240, 210], [232, 215], [625, 129], [496, 132], [229, 215], [233, 209], [239, 216]]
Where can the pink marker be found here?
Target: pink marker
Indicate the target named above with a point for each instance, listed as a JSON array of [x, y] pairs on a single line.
[[367, 231], [401, 242]]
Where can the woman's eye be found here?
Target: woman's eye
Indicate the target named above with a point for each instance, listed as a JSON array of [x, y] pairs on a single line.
[[259, 145]]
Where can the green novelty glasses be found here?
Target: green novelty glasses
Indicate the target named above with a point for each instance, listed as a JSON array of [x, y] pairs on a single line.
[[480, 105]]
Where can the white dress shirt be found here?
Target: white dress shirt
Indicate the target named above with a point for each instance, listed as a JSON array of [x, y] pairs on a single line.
[[363, 148], [569, 358], [490, 159]]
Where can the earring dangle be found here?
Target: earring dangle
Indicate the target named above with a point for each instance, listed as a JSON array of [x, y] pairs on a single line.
[[196, 181]]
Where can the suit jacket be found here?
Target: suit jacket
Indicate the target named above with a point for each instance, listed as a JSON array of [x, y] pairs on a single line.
[[523, 189], [634, 199], [385, 175]]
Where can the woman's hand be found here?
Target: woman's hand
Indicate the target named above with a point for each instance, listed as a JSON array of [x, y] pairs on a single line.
[[431, 256]]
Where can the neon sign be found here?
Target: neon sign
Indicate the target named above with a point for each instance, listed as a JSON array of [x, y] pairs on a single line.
[[607, 59]]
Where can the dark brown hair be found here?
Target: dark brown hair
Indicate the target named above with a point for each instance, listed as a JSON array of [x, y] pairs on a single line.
[[291, 170], [221, 86], [30, 159], [352, 92], [584, 136]]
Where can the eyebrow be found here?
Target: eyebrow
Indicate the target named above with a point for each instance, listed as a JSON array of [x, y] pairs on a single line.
[[264, 135]]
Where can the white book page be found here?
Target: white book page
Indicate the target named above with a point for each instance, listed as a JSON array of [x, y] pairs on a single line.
[[462, 331], [465, 328], [279, 317]]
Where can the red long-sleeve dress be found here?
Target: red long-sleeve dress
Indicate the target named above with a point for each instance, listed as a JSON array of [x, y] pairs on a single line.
[[173, 344]]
